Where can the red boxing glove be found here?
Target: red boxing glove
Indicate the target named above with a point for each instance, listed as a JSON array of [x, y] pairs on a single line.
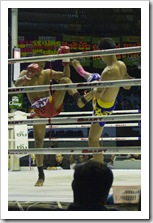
[[63, 50], [32, 69]]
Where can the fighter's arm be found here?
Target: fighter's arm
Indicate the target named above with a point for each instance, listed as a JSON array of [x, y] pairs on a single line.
[[22, 80], [65, 61], [127, 77], [57, 75]]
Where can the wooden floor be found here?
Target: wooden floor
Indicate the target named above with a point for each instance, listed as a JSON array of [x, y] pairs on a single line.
[[57, 186]]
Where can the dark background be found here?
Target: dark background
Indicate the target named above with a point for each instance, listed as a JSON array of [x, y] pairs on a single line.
[[97, 21]]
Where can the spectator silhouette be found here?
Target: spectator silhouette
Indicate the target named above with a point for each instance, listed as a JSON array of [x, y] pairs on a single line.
[[91, 184]]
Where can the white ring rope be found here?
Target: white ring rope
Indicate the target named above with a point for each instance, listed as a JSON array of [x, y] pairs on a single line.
[[88, 126], [86, 139], [80, 119], [81, 85], [78, 150], [91, 112], [84, 113], [125, 50], [84, 126]]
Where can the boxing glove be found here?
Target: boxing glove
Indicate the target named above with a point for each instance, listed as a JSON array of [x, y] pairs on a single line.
[[63, 50], [32, 69], [93, 77]]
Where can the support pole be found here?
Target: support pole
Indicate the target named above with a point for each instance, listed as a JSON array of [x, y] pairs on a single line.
[[14, 42]]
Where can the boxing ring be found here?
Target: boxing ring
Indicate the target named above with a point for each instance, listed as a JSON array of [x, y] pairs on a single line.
[[57, 186]]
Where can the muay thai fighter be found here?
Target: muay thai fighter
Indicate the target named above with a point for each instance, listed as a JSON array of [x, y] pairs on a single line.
[[47, 105], [105, 99]]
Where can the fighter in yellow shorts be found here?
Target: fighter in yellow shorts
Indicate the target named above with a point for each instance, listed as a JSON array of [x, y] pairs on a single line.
[[105, 98], [103, 108]]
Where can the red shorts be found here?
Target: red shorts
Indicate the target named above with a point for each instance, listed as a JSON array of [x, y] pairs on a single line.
[[44, 108]]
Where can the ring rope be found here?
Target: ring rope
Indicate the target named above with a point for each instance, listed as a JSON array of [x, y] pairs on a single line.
[[82, 85], [125, 50], [80, 119], [78, 150], [91, 112], [88, 126], [84, 112], [86, 139], [85, 126]]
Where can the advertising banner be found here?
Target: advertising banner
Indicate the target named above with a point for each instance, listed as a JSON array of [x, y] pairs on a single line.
[[50, 45], [15, 101]]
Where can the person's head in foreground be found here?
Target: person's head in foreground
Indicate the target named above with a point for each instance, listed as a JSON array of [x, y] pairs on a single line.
[[91, 184]]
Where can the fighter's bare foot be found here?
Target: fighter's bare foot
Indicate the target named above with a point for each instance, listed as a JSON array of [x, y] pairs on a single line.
[[39, 183]]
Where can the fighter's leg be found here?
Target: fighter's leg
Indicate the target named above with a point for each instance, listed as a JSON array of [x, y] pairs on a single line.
[[80, 100], [80, 70], [39, 134], [95, 133]]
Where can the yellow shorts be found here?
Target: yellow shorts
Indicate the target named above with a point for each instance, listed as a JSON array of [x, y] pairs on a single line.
[[103, 108]]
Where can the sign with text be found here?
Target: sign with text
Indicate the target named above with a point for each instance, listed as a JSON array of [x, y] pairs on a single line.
[[39, 44], [50, 45], [15, 101], [20, 132]]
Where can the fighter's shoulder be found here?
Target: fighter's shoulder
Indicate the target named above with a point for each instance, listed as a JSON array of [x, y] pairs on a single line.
[[51, 71], [121, 63], [47, 70], [110, 70], [108, 73], [117, 67]]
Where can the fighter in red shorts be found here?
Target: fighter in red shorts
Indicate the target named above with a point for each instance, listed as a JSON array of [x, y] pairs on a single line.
[[43, 104]]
